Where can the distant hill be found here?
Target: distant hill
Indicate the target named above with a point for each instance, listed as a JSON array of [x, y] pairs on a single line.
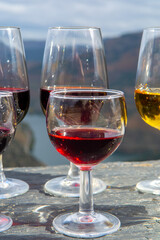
[[122, 56], [34, 50], [141, 140], [34, 55]]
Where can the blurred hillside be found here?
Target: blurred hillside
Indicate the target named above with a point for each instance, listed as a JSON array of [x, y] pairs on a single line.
[[18, 153], [140, 141]]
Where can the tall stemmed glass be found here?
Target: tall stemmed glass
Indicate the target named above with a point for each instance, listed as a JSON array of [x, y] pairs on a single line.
[[7, 131], [147, 91], [73, 57], [13, 78], [86, 126]]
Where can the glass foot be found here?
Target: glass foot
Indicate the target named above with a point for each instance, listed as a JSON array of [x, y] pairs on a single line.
[[69, 187], [86, 226], [5, 223], [149, 186], [12, 187]]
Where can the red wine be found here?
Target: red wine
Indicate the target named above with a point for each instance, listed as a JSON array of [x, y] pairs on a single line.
[[44, 95], [6, 135], [85, 147], [22, 99]]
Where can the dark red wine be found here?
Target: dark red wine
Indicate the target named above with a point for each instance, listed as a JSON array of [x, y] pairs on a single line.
[[6, 135], [22, 99], [85, 147], [44, 95]]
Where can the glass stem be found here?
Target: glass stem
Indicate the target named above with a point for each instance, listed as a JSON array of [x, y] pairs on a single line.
[[73, 171], [2, 176], [86, 193]]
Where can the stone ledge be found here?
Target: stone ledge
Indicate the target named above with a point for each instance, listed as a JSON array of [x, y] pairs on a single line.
[[33, 212]]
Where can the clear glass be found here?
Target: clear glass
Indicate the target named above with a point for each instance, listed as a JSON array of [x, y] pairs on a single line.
[[147, 91], [73, 57], [86, 126], [7, 131], [13, 78]]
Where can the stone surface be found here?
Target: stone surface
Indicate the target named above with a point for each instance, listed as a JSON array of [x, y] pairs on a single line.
[[33, 212]]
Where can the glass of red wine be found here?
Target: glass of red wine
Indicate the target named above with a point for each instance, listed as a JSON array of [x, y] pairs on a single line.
[[73, 57], [86, 127], [7, 131], [14, 78]]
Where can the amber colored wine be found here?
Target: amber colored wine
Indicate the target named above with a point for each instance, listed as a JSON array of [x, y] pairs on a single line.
[[148, 105]]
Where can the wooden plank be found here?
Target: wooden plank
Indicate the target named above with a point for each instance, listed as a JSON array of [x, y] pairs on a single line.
[[33, 212]]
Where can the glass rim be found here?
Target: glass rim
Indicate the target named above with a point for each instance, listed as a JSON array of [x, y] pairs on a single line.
[[74, 28], [9, 27], [62, 93], [152, 29], [5, 93]]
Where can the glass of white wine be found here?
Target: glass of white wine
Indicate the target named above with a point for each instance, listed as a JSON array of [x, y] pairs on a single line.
[[147, 91]]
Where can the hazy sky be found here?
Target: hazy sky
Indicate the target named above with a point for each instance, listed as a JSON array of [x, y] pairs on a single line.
[[114, 17]]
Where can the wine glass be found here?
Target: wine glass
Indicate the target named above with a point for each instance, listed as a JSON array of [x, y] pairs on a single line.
[[147, 91], [13, 78], [7, 131], [73, 57], [86, 126]]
